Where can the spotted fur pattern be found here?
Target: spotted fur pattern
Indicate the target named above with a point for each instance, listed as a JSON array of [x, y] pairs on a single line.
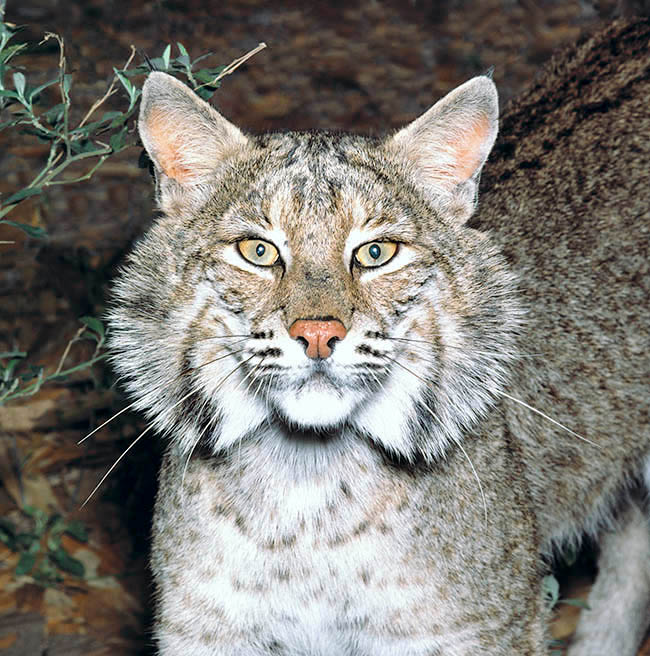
[[394, 497]]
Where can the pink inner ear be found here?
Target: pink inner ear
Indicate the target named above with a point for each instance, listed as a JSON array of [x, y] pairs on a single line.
[[469, 148], [167, 147]]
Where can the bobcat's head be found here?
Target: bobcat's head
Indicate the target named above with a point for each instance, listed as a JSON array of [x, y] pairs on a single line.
[[315, 280]]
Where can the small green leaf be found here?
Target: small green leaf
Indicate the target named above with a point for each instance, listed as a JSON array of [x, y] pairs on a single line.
[[182, 49], [8, 93], [64, 561], [67, 83], [94, 324], [165, 56], [205, 93], [551, 590], [124, 80], [157, 63], [8, 371], [25, 564], [8, 53], [32, 231], [54, 114], [40, 518], [19, 84], [36, 90], [22, 194], [117, 140], [184, 61], [135, 94], [109, 116], [86, 146], [206, 75], [77, 530], [119, 120]]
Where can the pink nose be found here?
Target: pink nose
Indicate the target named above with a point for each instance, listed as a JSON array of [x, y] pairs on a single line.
[[319, 336]]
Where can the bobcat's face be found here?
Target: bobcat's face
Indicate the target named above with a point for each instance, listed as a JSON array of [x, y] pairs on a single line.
[[313, 280], [315, 217]]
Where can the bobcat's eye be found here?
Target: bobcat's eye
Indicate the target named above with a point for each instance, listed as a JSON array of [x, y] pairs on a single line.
[[375, 253], [258, 252]]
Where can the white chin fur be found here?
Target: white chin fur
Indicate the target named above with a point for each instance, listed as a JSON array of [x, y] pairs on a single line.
[[315, 406]]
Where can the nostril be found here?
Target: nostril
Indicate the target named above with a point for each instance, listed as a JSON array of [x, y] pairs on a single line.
[[302, 341], [332, 340]]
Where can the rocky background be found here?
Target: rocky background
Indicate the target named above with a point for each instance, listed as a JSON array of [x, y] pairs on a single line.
[[366, 66]]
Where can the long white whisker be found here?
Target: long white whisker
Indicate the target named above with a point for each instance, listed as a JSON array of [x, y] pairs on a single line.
[[108, 421], [115, 464], [209, 362], [206, 339], [377, 380], [478, 480], [251, 374], [267, 393], [399, 364], [131, 405], [144, 432], [553, 421]]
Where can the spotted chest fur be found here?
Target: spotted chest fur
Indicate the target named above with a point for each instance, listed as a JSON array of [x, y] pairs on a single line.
[[333, 558]]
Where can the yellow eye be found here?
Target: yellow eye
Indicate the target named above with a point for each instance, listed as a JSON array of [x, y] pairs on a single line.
[[375, 253], [258, 252]]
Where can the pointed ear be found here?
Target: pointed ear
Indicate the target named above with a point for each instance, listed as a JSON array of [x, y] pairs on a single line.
[[185, 137], [448, 145]]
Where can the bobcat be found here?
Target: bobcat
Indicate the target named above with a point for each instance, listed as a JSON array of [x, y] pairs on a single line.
[[385, 408]]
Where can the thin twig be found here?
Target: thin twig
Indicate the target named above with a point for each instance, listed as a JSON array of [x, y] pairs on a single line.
[[85, 176], [234, 65], [78, 334], [111, 90], [65, 99]]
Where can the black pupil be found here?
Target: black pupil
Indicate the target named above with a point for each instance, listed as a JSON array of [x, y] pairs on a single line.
[[260, 249], [374, 251]]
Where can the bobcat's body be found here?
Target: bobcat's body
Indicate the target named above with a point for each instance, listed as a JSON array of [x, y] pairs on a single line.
[[569, 206], [352, 376]]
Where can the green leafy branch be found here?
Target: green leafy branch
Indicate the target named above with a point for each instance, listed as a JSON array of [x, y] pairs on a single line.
[[28, 383], [42, 555], [93, 141]]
